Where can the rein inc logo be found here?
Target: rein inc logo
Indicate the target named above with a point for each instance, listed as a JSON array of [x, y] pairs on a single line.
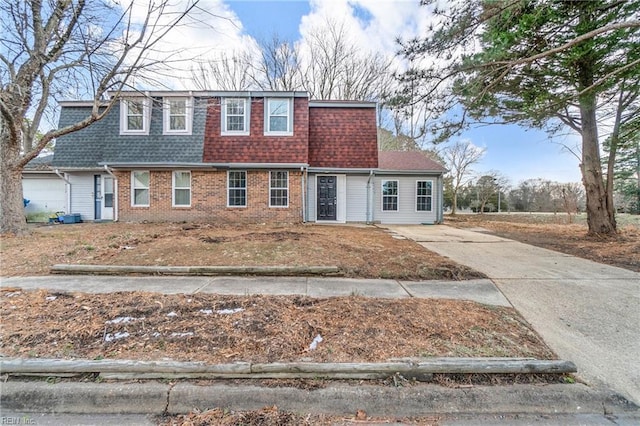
[[24, 420]]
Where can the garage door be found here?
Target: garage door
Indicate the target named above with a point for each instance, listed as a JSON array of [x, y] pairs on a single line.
[[46, 195]]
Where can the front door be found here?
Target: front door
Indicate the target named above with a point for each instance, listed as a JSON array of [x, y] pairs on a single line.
[[327, 198], [103, 190], [107, 195]]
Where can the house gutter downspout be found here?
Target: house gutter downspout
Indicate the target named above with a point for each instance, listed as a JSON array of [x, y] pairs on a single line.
[[115, 192], [68, 182], [440, 215], [303, 174], [370, 199]]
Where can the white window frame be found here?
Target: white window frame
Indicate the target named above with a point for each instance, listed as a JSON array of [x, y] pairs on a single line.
[[424, 196], [174, 187], [124, 116], [134, 188], [267, 118], [397, 196], [229, 188], [247, 117], [166, 116], [279, 188]]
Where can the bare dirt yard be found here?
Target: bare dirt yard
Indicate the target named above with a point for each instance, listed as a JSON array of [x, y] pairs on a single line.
[[359, 251], [560, 233], [220, 329], [225, 329]]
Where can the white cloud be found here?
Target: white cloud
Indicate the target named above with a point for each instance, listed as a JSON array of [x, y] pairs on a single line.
[[209, 30]]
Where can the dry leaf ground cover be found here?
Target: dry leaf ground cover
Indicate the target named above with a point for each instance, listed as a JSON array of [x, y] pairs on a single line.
[[558, 232], [360, 251], [225, 329]]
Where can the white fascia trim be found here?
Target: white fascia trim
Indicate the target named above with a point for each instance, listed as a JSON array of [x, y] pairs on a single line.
[[80, 104], [431, 173], [260, 165], [330, 170], [133, 165], [212, 166]]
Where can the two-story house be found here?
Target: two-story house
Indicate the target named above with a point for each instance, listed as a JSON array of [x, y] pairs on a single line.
[[241, 157]]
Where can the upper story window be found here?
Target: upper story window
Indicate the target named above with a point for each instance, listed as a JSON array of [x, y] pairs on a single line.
[[177, 115], [134, 116], [424, 194], [235, 116], [279, 117], [390, 195]]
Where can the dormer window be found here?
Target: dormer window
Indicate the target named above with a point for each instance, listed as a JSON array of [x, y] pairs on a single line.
[[177, 115], [235, 116], [134, 116], [278, 117]]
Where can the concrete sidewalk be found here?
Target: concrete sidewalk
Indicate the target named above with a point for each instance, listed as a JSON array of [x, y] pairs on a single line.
[[586, 312], [482, 290]]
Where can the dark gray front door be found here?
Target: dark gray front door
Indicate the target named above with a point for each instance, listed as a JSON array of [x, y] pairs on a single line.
[[327, 197]]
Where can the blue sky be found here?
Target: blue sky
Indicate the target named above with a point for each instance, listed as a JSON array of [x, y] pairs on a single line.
[[374, 25], [515, 152]]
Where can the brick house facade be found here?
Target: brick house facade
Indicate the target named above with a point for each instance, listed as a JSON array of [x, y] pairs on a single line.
[[239, 157]]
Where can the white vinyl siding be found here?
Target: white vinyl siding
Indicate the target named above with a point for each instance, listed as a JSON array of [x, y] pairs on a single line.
[[406, 213], [357, 198], [82, 195], [46, 193]]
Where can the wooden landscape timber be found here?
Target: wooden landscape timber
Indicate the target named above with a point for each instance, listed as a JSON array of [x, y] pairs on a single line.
[[418, 369]]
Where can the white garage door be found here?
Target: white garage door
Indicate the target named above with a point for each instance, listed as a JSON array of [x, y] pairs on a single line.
[[46, 194]]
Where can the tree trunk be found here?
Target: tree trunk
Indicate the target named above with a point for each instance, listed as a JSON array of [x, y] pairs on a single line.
[[12, 218], [599, 217], [454, 205]]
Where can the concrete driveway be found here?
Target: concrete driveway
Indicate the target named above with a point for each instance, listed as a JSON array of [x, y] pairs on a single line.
[[587, 312]]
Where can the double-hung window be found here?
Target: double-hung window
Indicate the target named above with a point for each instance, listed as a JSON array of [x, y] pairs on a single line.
[[140, 188], [389, 195], [237, 188], [424, 195], [279, 117], [279, 189], [235, 116], [134, 116], [181, 189], [177, 115]]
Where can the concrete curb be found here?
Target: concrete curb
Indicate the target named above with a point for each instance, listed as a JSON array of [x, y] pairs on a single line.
[[197, 270], [419, 399]]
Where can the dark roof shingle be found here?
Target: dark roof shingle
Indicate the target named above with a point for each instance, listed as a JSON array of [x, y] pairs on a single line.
[[408, 161]]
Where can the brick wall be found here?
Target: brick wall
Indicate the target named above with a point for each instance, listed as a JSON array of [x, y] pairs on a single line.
[[343, 137], [256, 147], [209, 199]]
